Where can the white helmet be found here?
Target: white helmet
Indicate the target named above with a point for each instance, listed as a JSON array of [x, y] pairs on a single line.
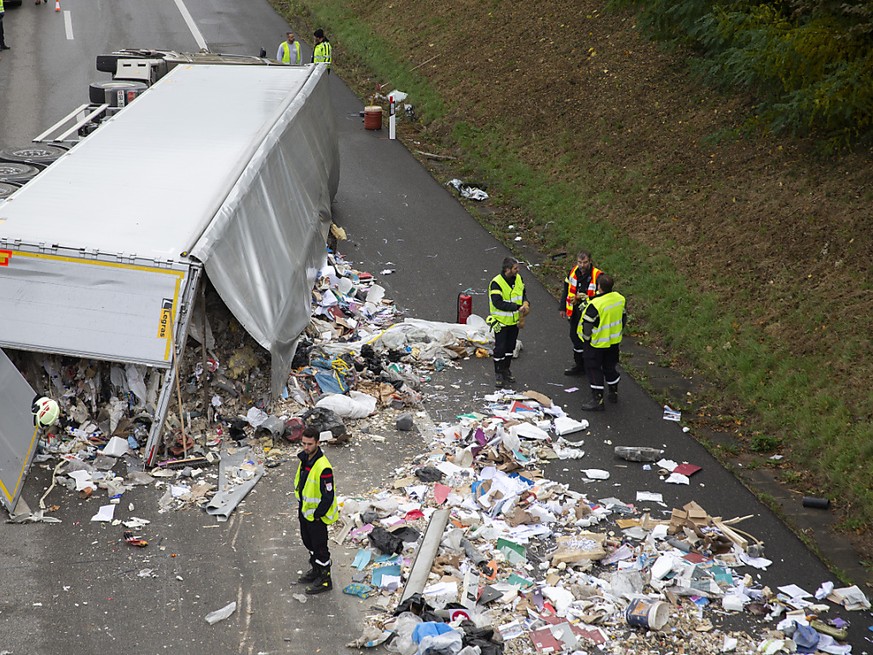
[[45, 412]]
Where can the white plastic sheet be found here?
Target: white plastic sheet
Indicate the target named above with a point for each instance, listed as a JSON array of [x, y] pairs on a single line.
[[355, 405]]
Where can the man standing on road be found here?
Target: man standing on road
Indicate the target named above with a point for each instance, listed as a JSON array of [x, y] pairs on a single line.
[[579, 286], [508, 305], [289, 50], [313, 487], [323, 52], [601, 329], [3, 45]]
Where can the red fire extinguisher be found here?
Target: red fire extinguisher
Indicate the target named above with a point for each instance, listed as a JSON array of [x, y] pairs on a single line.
[[465, 306]]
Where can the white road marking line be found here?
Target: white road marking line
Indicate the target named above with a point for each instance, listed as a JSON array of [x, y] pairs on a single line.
[[68, 25], [201, 42]]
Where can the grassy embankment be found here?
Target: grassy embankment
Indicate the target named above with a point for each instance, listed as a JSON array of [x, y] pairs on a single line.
[[780, 398]]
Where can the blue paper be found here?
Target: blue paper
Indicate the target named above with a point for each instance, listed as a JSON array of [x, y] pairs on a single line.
[[362, 558], [393, 569]]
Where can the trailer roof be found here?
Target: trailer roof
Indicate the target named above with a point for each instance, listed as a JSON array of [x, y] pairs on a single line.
[[149, 180]]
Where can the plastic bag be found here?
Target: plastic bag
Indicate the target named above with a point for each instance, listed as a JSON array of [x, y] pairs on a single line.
[[324, 420], [355, 405], [219, 615], [404, 626], [386, 542], [437, 639], [136, 382]]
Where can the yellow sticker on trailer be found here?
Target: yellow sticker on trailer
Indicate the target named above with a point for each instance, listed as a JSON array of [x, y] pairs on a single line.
[[166, 322]]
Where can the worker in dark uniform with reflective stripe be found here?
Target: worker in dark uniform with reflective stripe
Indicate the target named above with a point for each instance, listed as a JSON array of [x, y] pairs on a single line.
[[508, 305], [3, 45], [322, 53], [601, 330], [315, 492], [579, 285]]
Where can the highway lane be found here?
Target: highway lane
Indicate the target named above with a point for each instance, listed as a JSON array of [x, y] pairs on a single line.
[[46, 74]]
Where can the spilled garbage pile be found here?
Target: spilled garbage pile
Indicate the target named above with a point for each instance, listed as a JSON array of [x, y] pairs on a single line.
[[474, 552], [223, 430]]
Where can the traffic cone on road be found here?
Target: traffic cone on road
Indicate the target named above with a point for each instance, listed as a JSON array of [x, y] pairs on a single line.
[[57, 5]]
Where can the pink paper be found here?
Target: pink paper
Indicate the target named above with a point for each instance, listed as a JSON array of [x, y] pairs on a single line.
[[441, 492]]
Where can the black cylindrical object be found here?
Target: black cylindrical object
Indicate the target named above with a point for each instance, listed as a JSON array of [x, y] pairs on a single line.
[[817, 503]]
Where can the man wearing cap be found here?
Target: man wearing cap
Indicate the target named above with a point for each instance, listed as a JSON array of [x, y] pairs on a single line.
[[323, 52], [289, 50]]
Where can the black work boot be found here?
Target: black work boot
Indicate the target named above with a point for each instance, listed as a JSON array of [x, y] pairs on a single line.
[[322, 583], [578, 368], [499, 381], [612, 395], [596, 402], [310, 576], [508, 377]]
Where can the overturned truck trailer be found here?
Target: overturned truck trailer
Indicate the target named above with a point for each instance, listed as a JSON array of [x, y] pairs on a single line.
[[225, 169]]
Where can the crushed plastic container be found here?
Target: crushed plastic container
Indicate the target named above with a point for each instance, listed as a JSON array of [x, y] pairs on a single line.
[[638, 453]]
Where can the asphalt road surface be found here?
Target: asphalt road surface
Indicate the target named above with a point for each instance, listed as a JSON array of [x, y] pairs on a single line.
[[74, 588]]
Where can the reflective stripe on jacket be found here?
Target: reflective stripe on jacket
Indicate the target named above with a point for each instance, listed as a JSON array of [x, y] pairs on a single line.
[[514, 294], [572, 283], [610, 311], [311, 496], [323, 53]]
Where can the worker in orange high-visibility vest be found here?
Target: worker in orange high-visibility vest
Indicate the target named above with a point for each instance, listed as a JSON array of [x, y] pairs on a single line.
[[579, 287]]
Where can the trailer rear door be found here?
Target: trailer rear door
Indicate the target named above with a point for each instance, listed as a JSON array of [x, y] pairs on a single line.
[[18, 436], [59, 303]]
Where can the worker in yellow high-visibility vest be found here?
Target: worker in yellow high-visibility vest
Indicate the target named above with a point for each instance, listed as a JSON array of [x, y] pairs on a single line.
[[508, 305], [289, 50], [3, 45], [601, 330], [323, 51], [314, 490]]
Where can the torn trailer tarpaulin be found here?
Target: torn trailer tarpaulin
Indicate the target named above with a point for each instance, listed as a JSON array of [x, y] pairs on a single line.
[[231, 167]]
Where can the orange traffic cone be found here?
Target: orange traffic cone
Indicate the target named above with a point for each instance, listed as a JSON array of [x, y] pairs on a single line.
[[57, 5]]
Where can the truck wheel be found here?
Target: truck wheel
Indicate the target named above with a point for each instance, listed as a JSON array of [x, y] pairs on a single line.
[[109, 63], [7, 189], [17, 173], [34, 153], [97, 91]]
